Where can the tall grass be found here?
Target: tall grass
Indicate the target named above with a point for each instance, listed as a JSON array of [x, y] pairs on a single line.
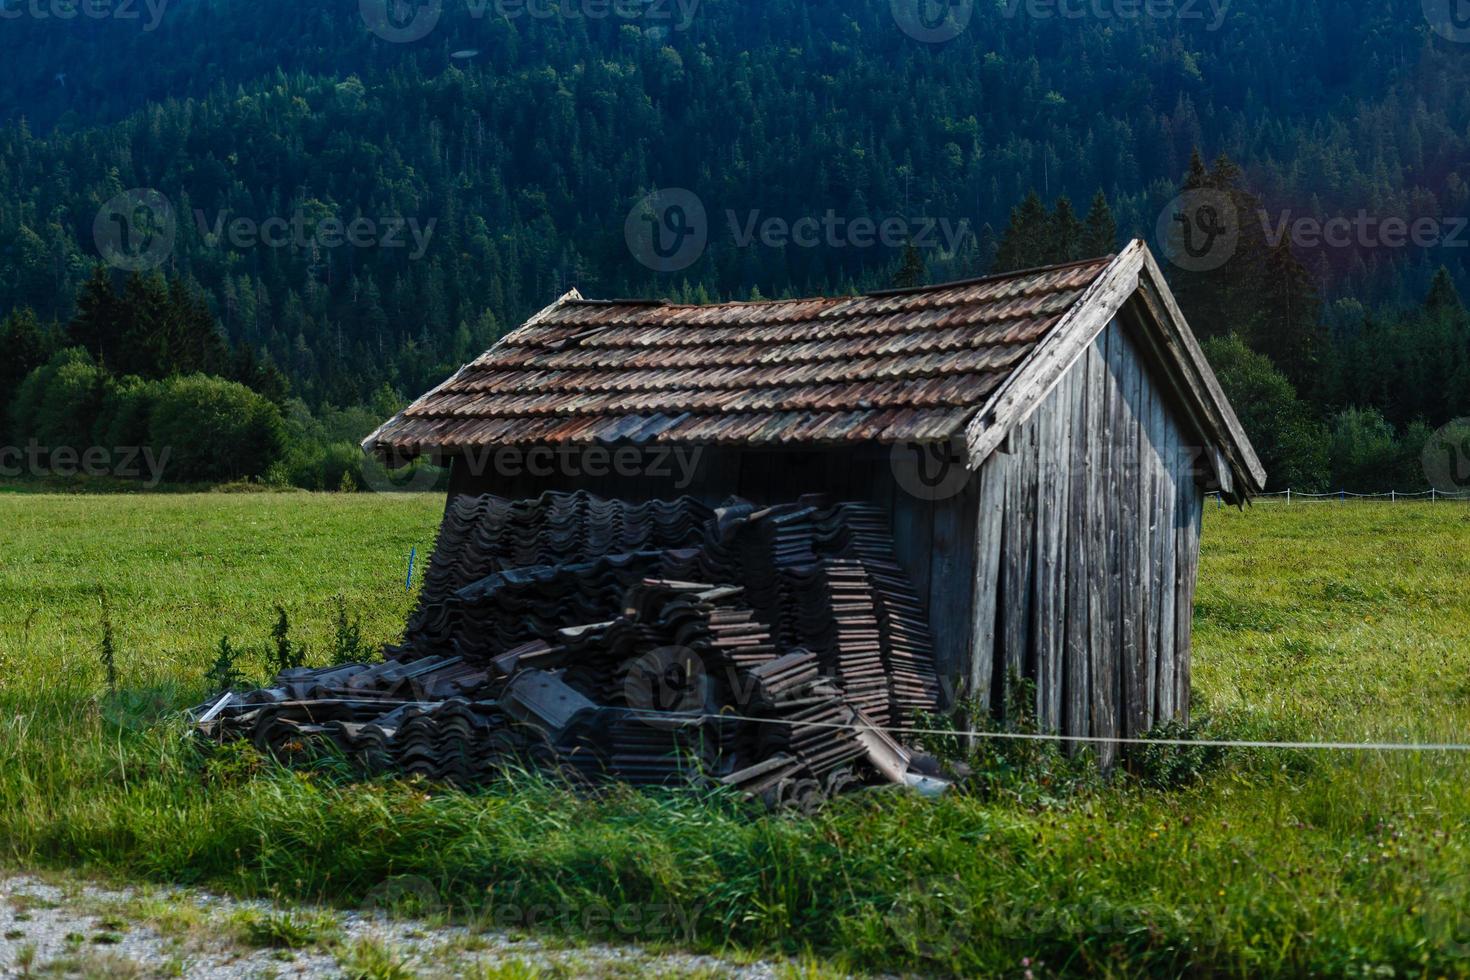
[[1312, 624]]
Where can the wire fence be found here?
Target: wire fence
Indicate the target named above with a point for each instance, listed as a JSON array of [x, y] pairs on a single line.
[[1365, 746], [1342, 496]]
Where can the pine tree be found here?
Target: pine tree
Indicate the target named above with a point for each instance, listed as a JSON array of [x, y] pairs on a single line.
[[1290, 331], [1024, 243], [196, 346], [911, 271], [148, 328], [1443, 297], [1066, 234], [1100, 232], [1232, 297], [97, 325], [24, 349]]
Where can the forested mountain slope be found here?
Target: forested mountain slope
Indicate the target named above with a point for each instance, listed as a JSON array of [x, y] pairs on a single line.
[[507, 147]]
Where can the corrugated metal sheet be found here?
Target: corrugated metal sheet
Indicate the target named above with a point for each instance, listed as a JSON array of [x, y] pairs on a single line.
[[907, 365]]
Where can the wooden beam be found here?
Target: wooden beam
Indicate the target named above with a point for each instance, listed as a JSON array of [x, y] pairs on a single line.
[[1020, 394]]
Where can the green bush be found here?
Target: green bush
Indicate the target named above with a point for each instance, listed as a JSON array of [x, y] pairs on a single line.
[[1291, 443], [214, 429], [127, 413], [312, 465], [1368, 456], [59, 402]]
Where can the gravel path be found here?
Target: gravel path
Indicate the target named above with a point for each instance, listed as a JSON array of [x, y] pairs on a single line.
[[69, 928]]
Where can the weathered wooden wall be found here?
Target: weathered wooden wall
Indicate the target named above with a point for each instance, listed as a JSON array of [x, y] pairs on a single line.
[[1086, 552]]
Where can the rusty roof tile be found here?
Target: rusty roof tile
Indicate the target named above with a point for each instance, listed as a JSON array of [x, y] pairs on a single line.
[[896, 366]]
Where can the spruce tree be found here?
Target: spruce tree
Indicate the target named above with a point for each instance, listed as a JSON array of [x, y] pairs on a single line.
[[1443, 297], [1100, 230], [1290, 330], [24, 349], [911, 271], [98, 324], [1024, 243], [1066, 234]]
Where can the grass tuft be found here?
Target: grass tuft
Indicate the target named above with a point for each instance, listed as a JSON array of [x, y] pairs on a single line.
[[284, 930]]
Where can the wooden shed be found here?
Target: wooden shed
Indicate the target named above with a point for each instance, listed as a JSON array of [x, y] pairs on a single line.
[[1043, 442]]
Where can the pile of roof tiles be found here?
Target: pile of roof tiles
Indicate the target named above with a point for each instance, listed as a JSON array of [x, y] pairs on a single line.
[[766, 649]]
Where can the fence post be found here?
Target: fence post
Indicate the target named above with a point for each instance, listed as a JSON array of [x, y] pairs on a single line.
[[1433, 494], [1288, 496], [1342, 496], [1393, 496]]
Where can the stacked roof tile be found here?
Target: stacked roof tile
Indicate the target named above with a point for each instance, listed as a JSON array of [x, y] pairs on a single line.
[[760, 647], [909, 365]]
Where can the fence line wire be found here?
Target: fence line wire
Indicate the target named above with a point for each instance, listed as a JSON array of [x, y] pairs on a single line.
[[1342, 495], [1421, 747]]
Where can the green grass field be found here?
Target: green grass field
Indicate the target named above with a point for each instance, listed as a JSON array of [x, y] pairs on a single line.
[[1322, 621]]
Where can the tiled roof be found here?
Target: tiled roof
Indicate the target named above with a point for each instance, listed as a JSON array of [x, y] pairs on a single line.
[[906, 365]]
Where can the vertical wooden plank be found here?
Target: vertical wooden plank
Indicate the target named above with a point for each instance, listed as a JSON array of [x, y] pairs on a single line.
[[1103, 590], [1168, 651], [992, 479], [1076, 713], [951, 583], [913, 534], [1053, 452], [1192, 507], [1131, 555], [1031, 504], [879, 486], [1017, 579], [1148, 585]]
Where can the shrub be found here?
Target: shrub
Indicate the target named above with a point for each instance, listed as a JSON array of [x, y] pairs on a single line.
[[1291, 443], [127, 412], [215, 429], [59, 402], [1368, 456]]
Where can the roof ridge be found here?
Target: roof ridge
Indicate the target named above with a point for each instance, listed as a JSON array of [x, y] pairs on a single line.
[[1102, 260], [583, 301]]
